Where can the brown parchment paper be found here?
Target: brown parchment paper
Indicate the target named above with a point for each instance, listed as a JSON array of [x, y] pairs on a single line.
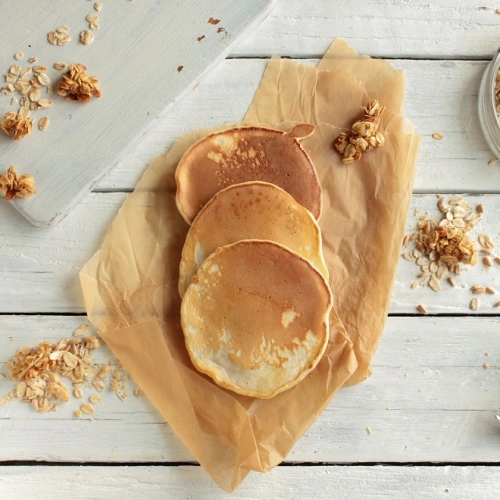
[[130, 284]]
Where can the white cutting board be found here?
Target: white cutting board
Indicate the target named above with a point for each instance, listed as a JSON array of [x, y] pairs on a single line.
[[137, 54]]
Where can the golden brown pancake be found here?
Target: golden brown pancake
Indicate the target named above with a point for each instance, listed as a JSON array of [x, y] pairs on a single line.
[[255, 319], [251, 210], [247, 154]]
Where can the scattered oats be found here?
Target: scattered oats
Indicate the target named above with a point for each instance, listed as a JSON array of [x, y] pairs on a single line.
[[496, 304], [86, 37], [98, 6], [14, 100], [487, 262], [490, 290], [4, 400], [60, 36], [438, 136], [497, 260], [486, 353], [98, 385], [480, 208], [497, 11], [87, 408], [2, 376], [421, 308], [15, 70], [18, 56], [32, 60], [78, 393], [45, 103], [43, 79], [59, 66], [486, 251], [81, 330], [92, 18], [414, 285], [34, 95], [138, 392], [474, 304], [434, 284], [95, 398], [485, 241], [78, 413], [493, 160], [486, 366], [39, 69], [478, 289], [43, 124], [368, 430]]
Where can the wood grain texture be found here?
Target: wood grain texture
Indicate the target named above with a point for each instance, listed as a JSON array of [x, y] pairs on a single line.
[[39, 271], [392, 28], [323, 482], [429, 400], [441, 96], [146, 55]]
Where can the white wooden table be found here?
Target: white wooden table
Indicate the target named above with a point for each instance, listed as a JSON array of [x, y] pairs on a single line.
[[430, 403]]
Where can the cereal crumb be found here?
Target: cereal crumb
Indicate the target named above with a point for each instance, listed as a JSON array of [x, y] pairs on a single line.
[[18, 56], [438, 136], [368, 430], [213, 21], [486, 366], [98, 6], [78, 413]]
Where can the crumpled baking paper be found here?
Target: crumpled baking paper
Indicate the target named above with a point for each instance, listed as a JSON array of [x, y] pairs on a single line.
[[130, 284]]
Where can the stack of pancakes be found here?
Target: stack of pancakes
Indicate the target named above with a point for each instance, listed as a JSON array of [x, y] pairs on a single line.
[[253, 281]]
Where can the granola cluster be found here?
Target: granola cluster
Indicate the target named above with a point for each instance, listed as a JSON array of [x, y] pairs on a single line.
[[76, 85], [13, 185], [17, 125], [364, 134]]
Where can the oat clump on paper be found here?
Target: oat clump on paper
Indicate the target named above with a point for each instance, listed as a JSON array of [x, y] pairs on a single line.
[[364, 134]]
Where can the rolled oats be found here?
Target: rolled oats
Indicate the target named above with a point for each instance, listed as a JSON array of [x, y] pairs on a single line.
[[43, 123], [98, 6], [86, 37], [438, 136], [59, 66], [474, 304]]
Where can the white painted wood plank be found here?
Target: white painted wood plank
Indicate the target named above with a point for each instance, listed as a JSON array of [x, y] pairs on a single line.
[[146, 55], [441, 96], [185, 482], [429, 400], [39, 267], [391, 28]]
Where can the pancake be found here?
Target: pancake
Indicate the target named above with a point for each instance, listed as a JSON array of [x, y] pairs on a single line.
[[255, 319], [247, 154], [251, 210]]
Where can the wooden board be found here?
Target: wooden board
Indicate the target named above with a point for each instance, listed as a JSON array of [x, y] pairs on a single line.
[[146, 54], [429, 399], [186, 482]]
